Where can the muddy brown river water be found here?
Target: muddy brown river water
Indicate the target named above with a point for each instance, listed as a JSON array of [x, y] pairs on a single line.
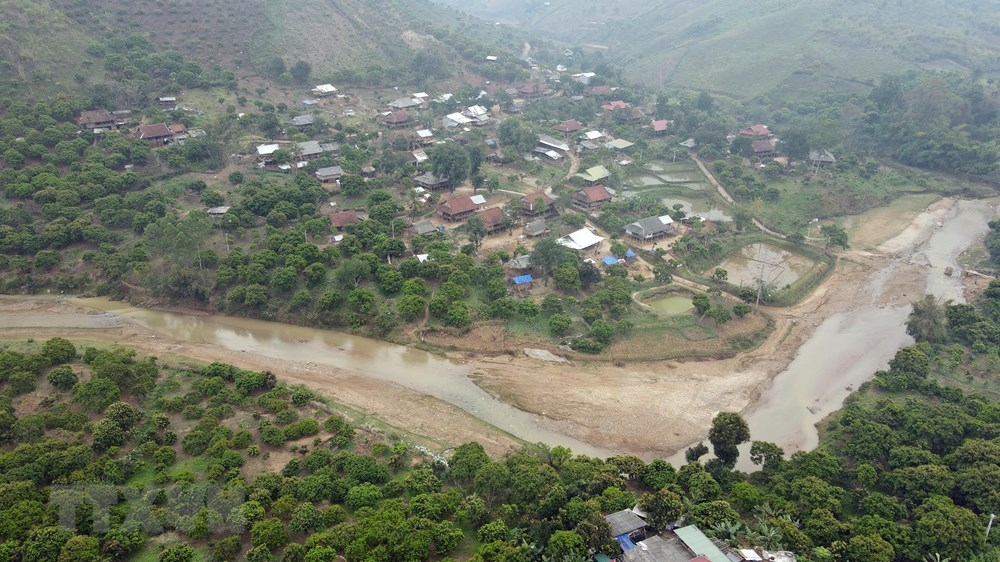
[[842, 352]]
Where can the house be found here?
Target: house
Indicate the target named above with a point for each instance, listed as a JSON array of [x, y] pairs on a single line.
[[329, 174], [624, 522], [520, 263], [308, 150], [455, 120], [529, 90], [424, 227], [591, 197], [568, 127], [583, 77], [756, 131], [419, 157], [479, 200], [616, 104], [656, 549], [537, 204], [96, 119], [603, 90], [431, 182], [167, 102], [696, 542], [425, 137], [122, 117], [659, 126], [619, 144], [631, 115], [592, 135], [343, 218], [301, 122], [265, 152], [595, 174], [650, 228], [156, 135], [494, 219], [553, 143], [457, 209], [179, 131], [548, 152], [396, 119], [580, 240], [536, 228], [404, 103], [763, 148], [820, 158], [323, 90], [217, 211]]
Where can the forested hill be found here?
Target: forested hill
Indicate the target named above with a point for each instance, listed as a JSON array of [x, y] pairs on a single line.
[[745, 48], [47, 46]]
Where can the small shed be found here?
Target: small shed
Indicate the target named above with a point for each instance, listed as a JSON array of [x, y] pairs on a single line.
[[536, 228], [609, 261]]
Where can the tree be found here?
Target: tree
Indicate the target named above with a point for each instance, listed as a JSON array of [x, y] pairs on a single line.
[[300, 71], [270, 533], [720, 314], [450, 160], [476, 230], [928, 321], [176, 553], [81, 549], [835, 235], [548, 255], [62, 377], [560, 323], [565, 545], [729, 430], [567, 277], [741, 309], [663, 508], [59, 350], [701, 304]]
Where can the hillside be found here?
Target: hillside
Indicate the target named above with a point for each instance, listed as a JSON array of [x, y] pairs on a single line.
[[359, 38], [745, 50]]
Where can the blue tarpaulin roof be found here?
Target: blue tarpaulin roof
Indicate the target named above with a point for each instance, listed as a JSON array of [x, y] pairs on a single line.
[[625, 542], [610, 260], [630, 254], [522, 279]]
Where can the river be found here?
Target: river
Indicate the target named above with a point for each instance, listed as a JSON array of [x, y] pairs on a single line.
[[842, 352], [412, 368]]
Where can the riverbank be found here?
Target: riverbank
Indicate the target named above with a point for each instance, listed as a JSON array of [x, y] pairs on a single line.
[[651, 409]]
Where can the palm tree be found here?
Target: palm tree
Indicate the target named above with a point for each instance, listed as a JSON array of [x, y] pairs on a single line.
[[928, 321]]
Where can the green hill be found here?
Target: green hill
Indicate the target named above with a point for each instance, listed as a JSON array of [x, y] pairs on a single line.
[[745, 49]]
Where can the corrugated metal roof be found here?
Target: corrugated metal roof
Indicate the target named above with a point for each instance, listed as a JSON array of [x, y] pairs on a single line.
[[698, 543]]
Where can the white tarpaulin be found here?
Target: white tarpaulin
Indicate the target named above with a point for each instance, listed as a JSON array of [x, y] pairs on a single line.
[[580, 240]]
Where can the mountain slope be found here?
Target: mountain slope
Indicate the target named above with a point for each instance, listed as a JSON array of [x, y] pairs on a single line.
[[744, 49], [49, 43]]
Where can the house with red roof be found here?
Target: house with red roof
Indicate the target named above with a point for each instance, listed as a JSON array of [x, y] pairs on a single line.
[[757, 131], [156, 135], [494, 219], [567, 127], [537, 204], [458, 208], [343, 218], [659, 126], [591, 197], [616, 104]]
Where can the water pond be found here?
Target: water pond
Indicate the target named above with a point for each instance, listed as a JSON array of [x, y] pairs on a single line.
[[701, 208], [671, 305]]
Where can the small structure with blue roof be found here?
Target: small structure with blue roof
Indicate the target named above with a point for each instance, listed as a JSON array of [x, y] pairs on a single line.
[[522, 281], [629, 254], [609, 260]]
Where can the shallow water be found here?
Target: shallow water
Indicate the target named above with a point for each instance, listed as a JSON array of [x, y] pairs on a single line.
[[700, 208]]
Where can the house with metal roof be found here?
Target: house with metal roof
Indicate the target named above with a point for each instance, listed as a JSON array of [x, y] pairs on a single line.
[[302, 121], [328, 174], [594, 174], [650, 228], [580, 240]]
